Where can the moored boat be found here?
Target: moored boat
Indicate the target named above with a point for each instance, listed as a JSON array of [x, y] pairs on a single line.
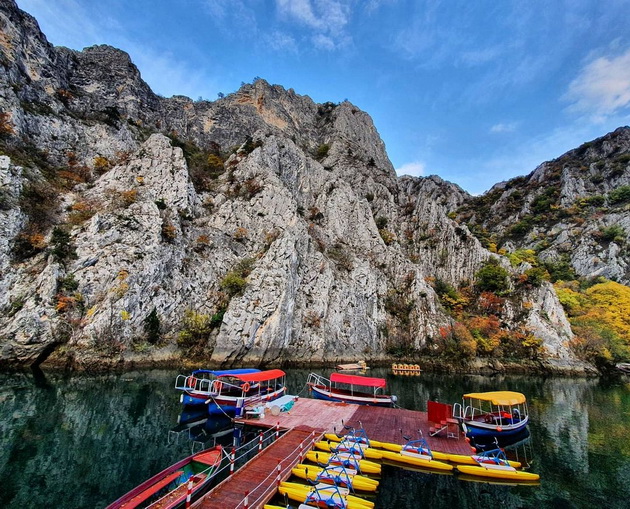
[[230, 393], [492, 414], [169, 488], [323, 496], [335, 475], [360, 390], [197, 388], [495, 465]]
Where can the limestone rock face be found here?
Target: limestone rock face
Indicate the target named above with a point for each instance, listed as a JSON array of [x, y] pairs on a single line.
[[574, 208], [258, 228]]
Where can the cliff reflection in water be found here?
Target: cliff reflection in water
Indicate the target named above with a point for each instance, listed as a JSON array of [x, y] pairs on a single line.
[[82, 441]]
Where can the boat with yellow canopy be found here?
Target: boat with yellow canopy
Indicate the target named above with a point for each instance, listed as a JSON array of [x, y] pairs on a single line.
[[492, 414]]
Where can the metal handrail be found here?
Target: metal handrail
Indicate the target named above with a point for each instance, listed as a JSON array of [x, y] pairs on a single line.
[[299, 450]]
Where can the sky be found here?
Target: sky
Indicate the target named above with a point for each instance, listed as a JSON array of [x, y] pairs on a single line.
[[475, 91]]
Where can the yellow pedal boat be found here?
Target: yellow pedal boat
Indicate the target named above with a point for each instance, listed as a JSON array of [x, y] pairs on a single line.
[[416, 460], [363, 466], [300, 493], [332, 476], [331, 437], [498, 472], [366, 452]]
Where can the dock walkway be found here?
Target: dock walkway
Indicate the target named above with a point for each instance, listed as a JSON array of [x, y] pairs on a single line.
[[258, 478]]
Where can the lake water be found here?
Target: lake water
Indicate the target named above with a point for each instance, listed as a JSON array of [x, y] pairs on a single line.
[[82, 441]]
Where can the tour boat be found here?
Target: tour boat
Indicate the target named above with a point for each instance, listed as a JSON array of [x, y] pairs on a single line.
[[231, 393], [492, 414], [361, 390], [170, 488], [197, 387]]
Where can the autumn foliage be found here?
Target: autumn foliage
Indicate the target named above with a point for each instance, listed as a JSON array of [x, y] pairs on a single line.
[[600, 319]]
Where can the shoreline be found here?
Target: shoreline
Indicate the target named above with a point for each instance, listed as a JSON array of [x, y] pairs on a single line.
[[480, 366]]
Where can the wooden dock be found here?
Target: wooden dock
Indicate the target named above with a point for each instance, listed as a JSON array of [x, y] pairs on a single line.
[[258, 478], [310, 418], [380, 423]]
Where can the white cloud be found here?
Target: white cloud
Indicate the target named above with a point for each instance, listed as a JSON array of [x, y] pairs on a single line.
[[415, 169], [281, 41], [322, 41], [602, 88], [503, 127], [328, 19]]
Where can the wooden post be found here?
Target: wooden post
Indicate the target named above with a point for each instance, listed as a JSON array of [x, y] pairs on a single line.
[[189, 493], [279, 470]]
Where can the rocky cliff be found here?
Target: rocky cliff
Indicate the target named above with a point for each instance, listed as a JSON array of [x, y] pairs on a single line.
[[572, 210], [258, 228]]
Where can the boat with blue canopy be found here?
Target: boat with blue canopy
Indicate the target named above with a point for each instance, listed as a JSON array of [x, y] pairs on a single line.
[[197, 387], [231, 392]]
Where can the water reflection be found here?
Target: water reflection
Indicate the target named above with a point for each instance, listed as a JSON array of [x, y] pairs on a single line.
[[82, 441]]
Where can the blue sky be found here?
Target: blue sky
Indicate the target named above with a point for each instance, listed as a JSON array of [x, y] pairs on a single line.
[[474, 91]]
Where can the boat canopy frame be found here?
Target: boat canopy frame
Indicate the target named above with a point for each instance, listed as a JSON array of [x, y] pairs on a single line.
[[377, 384], [476, 405]]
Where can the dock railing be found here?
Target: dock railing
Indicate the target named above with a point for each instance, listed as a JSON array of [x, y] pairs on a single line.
[[293, 458]]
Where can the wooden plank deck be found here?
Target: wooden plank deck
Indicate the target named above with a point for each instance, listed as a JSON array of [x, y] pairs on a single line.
[[254, 477], [380, 423]]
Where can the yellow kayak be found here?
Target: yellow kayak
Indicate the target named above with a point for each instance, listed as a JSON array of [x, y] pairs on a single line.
[[367, 452], [416, 461], [357, 482], [300, 493], [363, 466], [498, 472], [331, 437]]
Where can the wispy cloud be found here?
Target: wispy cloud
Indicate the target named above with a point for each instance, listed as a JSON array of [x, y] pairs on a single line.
[[503, 127], [602, 87], [415, 169], [327, 19]]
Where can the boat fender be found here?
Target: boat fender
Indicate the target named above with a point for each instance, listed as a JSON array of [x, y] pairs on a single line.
[[499, 429], [217, 385], [191, 381], [394, 399], [246, 387]]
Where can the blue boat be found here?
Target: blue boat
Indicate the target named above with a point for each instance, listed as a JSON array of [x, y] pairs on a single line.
[[197, 388], [498, 414], [231, 392]]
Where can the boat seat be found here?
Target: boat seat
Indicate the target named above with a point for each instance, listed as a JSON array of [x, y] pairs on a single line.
[[152, 490]]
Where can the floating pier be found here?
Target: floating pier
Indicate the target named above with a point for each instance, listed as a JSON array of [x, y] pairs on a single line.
[[255, 483]]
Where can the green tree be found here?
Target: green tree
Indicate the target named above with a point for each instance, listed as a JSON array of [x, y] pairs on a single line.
[[492, 277]]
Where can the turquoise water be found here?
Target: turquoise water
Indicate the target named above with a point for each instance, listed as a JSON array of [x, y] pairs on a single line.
[[81, 441]]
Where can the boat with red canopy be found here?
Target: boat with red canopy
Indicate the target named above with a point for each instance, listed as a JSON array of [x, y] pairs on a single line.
[[357, 389], [231, 392]]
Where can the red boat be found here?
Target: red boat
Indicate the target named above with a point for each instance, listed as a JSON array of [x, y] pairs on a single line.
[[169, 488], [360, 390]]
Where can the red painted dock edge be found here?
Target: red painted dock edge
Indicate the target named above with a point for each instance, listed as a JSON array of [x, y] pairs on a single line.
[[260, 476]]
